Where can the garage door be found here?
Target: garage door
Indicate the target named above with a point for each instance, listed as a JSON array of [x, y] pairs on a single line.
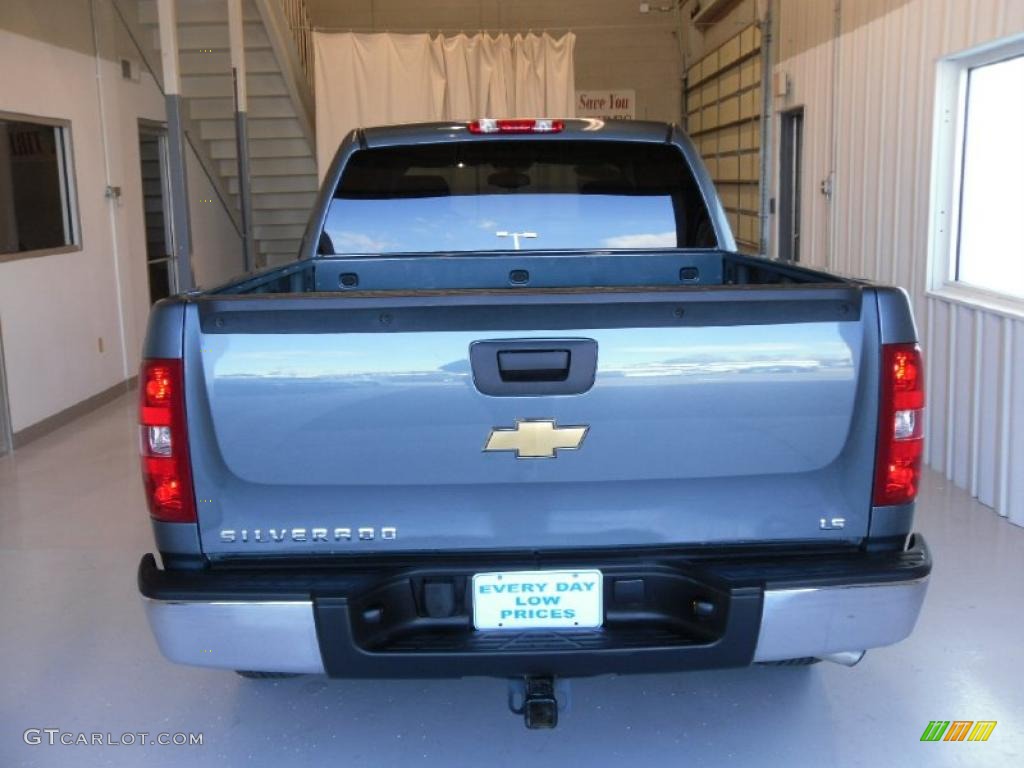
[[723, 116]]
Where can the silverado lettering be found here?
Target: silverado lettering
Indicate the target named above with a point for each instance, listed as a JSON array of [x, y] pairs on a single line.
[[258, 536]]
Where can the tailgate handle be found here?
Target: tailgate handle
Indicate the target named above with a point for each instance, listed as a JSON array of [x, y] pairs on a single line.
[[534, 365], [537, 367]]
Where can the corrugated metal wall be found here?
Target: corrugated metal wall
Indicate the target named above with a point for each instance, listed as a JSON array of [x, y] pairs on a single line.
[[868, 99]]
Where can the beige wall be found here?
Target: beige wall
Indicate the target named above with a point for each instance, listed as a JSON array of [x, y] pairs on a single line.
[[62, 23], [616, 45], [804, 24], [56, 309]]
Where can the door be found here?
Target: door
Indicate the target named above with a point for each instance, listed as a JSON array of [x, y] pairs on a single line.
[[723, 117], [791, 142], [160, 264]]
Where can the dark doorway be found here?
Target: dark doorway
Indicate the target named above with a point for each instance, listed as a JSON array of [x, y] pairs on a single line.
[[791, 149], [155, 197]]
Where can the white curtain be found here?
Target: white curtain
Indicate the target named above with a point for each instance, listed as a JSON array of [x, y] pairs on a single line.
[[380, 79]]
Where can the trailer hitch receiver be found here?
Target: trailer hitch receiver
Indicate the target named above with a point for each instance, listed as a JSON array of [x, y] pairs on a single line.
[[539, 703]]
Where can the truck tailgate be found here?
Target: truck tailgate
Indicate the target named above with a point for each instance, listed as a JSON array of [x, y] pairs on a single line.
[[353, 424]]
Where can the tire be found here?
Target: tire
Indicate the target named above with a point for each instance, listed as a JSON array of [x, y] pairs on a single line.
[[804, 661], [254, 675]]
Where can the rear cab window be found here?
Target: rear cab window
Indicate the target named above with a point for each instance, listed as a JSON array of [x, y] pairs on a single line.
[[504, 195]]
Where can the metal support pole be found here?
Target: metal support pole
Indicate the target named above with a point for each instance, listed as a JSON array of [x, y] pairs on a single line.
[[177, 179], [6, 430], [768, 28], [236, 35]]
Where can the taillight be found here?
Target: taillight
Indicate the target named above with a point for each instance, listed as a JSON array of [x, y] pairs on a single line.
[[900, 425], [516, 125], [166, 472]]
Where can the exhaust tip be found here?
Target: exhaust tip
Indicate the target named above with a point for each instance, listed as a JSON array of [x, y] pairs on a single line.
[[846, 658]]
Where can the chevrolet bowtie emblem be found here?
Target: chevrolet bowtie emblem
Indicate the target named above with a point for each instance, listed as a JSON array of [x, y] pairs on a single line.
[[535, 438]]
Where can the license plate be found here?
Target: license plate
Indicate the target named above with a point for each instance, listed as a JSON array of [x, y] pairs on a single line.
[[538, 600]]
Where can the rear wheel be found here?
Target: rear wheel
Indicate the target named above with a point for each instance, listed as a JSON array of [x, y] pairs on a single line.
[[254, 675]]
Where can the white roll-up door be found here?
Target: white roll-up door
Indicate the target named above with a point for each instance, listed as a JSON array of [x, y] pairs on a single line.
[[723, 117]]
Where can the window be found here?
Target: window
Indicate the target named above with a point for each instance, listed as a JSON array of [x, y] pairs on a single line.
[[516, 195], [36, 200], [977, 252], [990, 251]]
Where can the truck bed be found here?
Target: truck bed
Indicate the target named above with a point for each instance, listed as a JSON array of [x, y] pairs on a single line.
[[737, 408], [580, 272]]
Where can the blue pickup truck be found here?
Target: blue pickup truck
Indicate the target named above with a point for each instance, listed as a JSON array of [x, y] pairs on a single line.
[[520, 409]]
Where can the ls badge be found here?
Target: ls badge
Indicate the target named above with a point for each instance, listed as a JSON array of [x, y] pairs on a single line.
[[535, 438]]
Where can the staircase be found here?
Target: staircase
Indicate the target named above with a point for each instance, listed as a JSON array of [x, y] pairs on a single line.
[[283, 173]]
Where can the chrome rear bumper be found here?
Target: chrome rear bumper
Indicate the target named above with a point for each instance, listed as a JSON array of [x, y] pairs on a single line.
[[796, 623], [264, 636], [281, 636]]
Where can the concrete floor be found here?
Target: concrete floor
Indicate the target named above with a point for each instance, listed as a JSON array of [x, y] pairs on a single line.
[[76, 654]]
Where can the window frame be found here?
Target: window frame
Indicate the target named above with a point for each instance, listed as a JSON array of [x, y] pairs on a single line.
[[68, 180]]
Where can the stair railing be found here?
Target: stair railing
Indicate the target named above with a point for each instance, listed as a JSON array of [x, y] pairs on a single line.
[[297, 14]]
